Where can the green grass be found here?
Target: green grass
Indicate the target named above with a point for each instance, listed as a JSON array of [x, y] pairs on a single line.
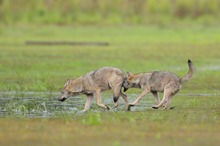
[[132, 48], [194, 121]]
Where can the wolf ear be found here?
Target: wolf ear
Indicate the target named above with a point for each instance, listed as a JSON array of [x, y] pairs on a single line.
[[68, 81], [129, 74], [67, 84]]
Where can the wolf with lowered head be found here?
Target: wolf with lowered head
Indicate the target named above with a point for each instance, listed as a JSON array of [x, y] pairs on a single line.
[[93, 83]]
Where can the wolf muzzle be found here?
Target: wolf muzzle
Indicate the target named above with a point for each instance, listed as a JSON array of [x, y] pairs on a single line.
[[125, 89]]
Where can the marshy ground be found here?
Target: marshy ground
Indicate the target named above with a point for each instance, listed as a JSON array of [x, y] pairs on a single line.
[[39, 119], [32, 77]]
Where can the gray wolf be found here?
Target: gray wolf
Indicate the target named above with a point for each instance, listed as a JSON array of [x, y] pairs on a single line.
[[157, 81], [93, 83]]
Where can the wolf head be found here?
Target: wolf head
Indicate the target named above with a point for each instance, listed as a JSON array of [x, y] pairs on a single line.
[[71, 88], [131, 81]]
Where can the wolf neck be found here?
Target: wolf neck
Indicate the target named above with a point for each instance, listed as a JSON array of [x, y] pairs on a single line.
[[78, 85]]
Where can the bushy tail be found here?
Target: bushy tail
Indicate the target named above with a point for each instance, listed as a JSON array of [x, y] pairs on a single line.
[[190, 73]]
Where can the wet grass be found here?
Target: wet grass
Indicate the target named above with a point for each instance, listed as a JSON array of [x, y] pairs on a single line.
[[194, 122], [42, 120], [32, 76]]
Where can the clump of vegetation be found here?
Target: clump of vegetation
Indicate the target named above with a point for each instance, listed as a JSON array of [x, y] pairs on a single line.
[[24, 107]]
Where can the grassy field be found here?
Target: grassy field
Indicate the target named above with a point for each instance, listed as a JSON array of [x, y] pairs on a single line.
[[135, 49], [25, 68]]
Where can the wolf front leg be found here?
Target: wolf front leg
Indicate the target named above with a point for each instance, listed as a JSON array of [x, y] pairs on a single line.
[[98, 100], [88, 103], [138, 99]]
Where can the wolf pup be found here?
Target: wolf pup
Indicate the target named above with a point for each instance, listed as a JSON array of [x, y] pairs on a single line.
[[93, 83], [157, 81]]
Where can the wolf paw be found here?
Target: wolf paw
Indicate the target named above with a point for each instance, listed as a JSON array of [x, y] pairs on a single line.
[[154, 107], [108, 108], [129, 107]]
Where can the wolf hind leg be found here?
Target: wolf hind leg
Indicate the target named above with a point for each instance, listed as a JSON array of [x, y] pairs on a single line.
[[99, 101], [168, 101], [168, 94], [117, 93]]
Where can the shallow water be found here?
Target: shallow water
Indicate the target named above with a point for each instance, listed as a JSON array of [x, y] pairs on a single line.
[[45, 104], [35, 104]]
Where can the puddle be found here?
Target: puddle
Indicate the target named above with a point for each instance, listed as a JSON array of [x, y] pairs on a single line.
[[46, 105]]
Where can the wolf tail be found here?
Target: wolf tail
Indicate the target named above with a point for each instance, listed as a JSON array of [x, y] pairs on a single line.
[[190, 73]]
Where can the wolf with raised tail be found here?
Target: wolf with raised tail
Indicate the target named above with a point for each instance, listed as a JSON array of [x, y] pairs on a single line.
[[157, 81]]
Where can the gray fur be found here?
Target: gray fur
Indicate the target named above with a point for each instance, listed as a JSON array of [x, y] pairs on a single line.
[[95, 82], [158, 81]]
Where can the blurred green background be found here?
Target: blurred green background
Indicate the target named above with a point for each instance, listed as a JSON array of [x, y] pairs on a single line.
[[86, 12]]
